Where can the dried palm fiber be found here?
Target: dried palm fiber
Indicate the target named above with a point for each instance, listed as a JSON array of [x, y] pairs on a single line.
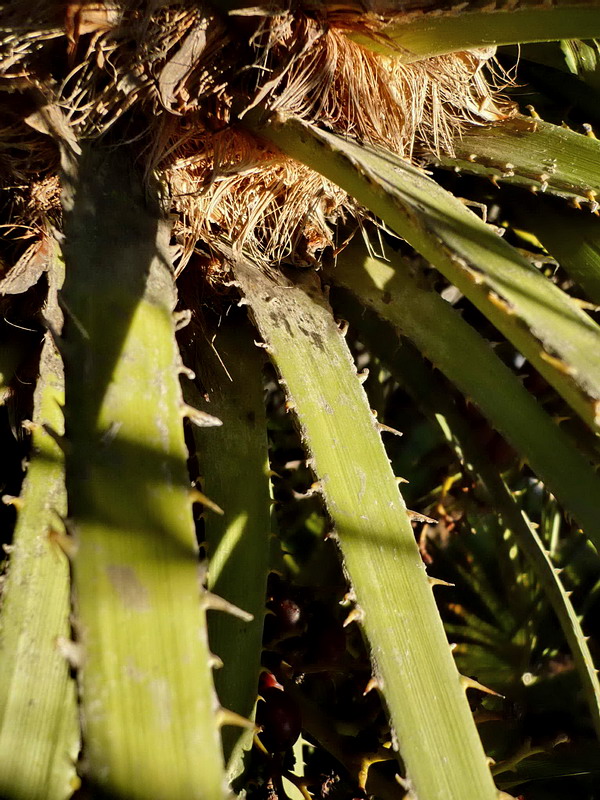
[[182, 75], [29, 189], [227, 184]]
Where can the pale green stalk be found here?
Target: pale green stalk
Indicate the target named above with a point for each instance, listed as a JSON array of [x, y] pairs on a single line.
[[529, 152], [551, 331], [411, 659], [432, 395], [469, 362], [421, 35], [234, 466], [148, 706], [39, 728]]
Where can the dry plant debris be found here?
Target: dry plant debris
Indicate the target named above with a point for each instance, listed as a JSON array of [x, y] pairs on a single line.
[[176, 79]]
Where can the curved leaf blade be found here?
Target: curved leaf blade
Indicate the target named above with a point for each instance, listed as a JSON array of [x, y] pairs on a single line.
[[423, 35], [551, 331], [229, 366], [430, 393], [39, 728], [147, 697], [467, 360], [529, 152], [410, 653]]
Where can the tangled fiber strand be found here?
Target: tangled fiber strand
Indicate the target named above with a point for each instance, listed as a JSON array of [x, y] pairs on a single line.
[[227, 185], [381, 101], [178, 74]]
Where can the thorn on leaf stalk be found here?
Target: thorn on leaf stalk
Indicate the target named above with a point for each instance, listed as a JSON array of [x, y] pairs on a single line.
[[557, 363], [214, 662], [227, 717], [343, 326], [367, 762], [469, 683], [215, 602], [382, 427], [362, 376], [71, 651], [200, 418], [66, 543], [499, 303], [30, 426], [438, 582], [356, 615], [372, 683], [589, 131], [290, 405], [415, 516], [196, 496], [348, 598], [532, 111], [12, 500], [399, 480], [189, 373], [182, 318], [472, 158]]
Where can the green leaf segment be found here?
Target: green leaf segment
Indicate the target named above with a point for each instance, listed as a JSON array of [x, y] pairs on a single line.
[[432, 395], [551, 331], [538, 155], [39, 728], [422, 35], [469, 362], [234, 465], [411, 659], [147, 699]]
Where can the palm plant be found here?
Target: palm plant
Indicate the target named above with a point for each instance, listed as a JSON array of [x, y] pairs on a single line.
[[239, 150]]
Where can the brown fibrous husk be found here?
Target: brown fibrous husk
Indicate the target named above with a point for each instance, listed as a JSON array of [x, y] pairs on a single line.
[[174, 77]]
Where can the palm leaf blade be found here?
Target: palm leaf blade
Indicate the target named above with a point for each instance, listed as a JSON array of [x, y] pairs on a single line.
[[148, 703], [409, 650], [551, 331]]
